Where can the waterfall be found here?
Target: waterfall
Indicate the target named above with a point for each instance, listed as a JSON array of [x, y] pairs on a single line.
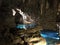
[[13, 12], [28, 22], [26, 17], [59, 28]]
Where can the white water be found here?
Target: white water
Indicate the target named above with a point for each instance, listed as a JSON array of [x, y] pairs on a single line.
[[13, 12], [59, 28], [25, 17]]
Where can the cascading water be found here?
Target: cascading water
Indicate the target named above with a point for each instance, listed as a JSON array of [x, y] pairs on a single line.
[[58, 29], [28, 22]]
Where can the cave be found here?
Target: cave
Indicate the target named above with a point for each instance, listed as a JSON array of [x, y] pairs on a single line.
[[23, 22]]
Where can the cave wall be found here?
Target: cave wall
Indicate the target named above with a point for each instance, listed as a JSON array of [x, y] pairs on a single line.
[[33, 7]]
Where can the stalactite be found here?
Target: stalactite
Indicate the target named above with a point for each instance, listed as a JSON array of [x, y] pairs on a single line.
[[47, 5], [43, 6]]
